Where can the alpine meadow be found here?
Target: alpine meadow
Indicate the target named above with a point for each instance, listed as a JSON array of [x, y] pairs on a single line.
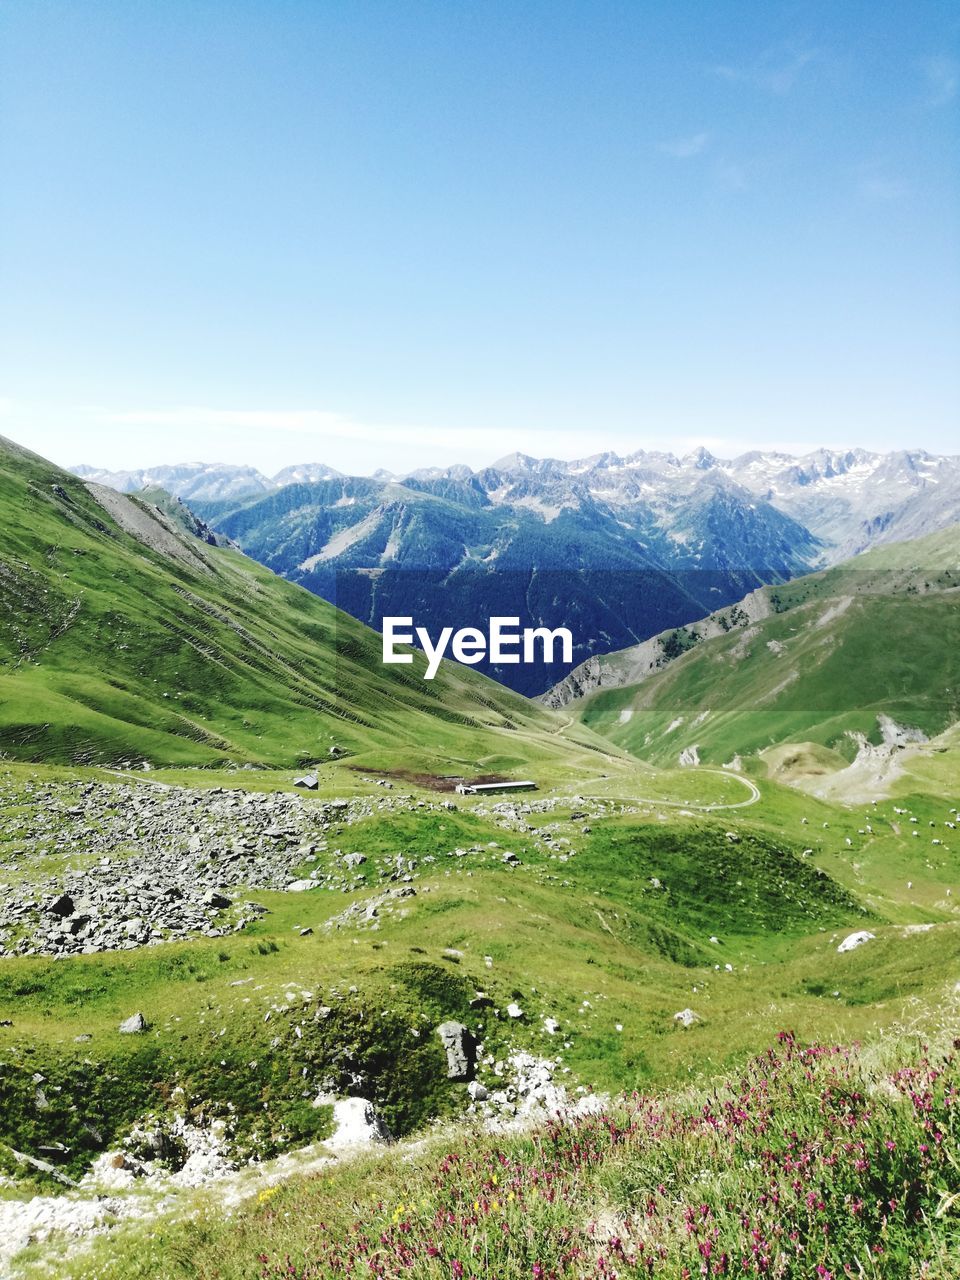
[[251, 929], [479, 640]]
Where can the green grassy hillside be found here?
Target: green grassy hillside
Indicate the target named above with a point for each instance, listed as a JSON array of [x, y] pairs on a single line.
[[618, 914], [812, 662], [124, 637], [629, 927], [810, 1162]]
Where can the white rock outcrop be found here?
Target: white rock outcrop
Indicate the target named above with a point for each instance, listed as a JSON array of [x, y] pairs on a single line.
[[356, 1123], [854, 940]]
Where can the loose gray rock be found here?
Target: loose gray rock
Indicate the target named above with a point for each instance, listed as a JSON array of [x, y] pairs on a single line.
[[133, 1025], [460, 1048], [854, 940]]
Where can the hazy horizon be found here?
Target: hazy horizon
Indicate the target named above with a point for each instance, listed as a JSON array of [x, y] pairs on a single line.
[[273, 470], [363, 451]]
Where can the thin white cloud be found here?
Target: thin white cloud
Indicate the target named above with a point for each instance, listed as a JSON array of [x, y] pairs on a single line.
[[942, 76], [476, 446], [775, 71], [119, 438], [327, 433], [684, 148]]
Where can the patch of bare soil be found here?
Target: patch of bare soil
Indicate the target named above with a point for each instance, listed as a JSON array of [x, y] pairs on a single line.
[[153, 528]]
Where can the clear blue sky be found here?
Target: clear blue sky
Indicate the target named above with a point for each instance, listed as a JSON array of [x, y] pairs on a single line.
[[385, 234]]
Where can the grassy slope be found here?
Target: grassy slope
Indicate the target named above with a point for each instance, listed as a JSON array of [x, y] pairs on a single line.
[[110, 650], [589, 941], [875, 637], [848, 1179]]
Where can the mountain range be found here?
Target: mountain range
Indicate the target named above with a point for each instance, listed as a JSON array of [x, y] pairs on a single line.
[[132, 629], [615, 548], [848, 499], [204, 481]]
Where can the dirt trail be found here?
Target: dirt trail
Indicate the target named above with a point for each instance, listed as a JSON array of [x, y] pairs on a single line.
[[751, 786]]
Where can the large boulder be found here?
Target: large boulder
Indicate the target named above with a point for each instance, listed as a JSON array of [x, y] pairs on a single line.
[[460, 1047]]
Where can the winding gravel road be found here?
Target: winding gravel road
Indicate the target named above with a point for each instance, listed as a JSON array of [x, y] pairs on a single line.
[[751, 786]]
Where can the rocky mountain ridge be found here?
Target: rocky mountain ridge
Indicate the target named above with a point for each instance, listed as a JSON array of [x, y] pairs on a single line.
[[847, 499], [615, 548]]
